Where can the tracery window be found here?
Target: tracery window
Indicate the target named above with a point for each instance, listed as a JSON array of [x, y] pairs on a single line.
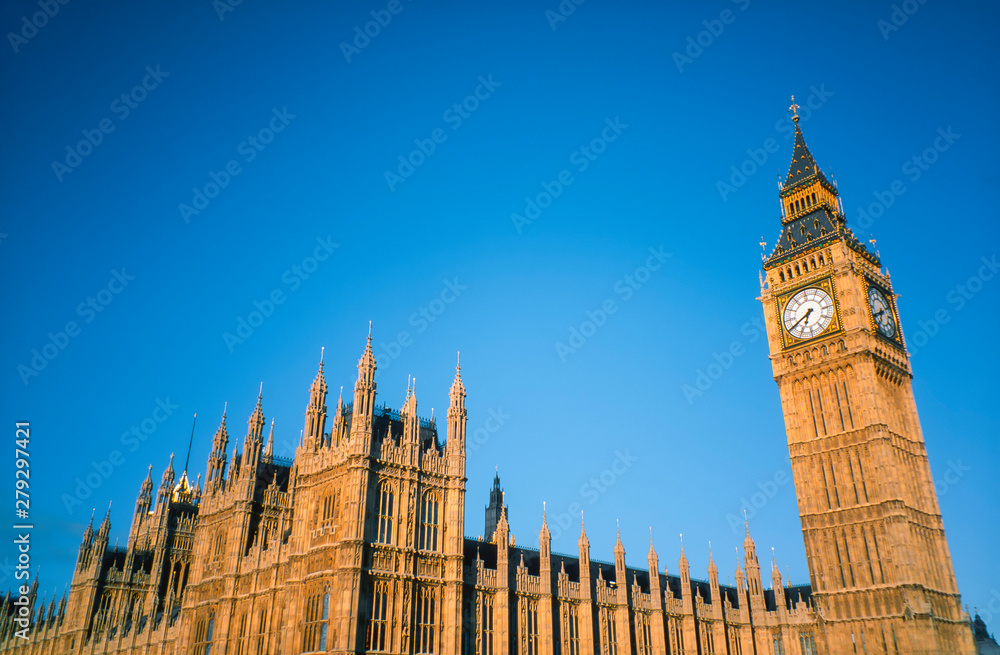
[[378, 625], [427, 539], [424, 638], [385, 514], [314, 634]]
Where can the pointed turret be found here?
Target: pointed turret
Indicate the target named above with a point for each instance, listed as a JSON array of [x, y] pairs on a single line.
[[803, 168], [457, 416], [620, 555], [316, 410], [752, 565], [166, 485], [811, 212], [495, 508], [652, 559], [685, 571], [145, 500], [338, 420], [584, 547], [269, 449], [364, 393], [411, 423], [779, 591], [740, 580], [253, 442], [88, 532], [233, 466], [105, 529], [545, 540], [713, 574], [217, 458]]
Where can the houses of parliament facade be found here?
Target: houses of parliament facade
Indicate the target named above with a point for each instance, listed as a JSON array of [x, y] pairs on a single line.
[[357, 545]]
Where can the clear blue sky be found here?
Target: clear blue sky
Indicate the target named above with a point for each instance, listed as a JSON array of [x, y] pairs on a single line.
[[669, 128]]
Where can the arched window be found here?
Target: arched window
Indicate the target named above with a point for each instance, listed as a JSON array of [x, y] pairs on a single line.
[[378, 625], [385, 502], [261, 632], [424, 641], [314, 634], [324, 616], [203, 637], [428, 522]]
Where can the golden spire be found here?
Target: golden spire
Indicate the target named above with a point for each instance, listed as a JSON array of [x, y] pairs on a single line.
[[794, 108]]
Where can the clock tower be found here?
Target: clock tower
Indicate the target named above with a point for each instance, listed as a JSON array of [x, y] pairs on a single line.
[[878, 559]]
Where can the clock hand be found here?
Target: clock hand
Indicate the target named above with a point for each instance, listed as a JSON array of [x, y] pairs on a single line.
[[808, 312]]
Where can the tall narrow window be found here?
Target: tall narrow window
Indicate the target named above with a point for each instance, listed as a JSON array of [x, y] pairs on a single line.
[[644, 635], [314, 632], [486, 624], [378, 624], [427, 539], [573, 630], [424, 640], [261, 625], [324, 626], [208, 637], [531, 625], [385, 498], [610, 631], [242, 635]]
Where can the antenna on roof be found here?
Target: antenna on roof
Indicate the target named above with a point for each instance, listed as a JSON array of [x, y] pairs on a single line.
[[190, 442]]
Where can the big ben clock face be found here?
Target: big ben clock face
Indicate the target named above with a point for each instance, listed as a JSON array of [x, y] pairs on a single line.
[[885, 323], [808, 313]]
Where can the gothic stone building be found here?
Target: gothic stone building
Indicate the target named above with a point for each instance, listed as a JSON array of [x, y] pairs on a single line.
[[357, 545]]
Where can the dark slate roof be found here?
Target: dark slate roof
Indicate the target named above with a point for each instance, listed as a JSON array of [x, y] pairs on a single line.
[[809, 231], [803, 167]]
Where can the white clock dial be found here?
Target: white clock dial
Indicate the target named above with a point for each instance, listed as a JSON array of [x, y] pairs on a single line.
[[808, 313], [881, 312]]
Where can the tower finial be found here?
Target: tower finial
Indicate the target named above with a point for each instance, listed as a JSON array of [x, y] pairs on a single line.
[[794, 108], [369, 331], [321, 349], [261, 392], [225, 408]]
